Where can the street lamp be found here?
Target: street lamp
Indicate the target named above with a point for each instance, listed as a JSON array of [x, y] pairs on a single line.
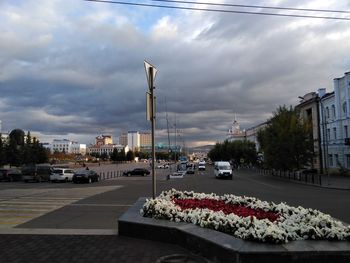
[[151, 73]]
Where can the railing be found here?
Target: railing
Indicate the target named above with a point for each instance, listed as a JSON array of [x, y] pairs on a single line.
[[301, 176]]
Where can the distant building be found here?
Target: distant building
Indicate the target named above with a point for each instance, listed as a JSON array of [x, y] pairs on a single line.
[[103, 140], [66, 146], [123, 139], [145, 139], [134, 140], [235, 133], [104, 145]]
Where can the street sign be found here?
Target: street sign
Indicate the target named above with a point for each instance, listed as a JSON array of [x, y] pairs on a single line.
[[150, 79], [148, 106]]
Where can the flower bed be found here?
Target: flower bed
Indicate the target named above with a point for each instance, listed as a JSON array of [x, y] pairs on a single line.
[[246, 217]]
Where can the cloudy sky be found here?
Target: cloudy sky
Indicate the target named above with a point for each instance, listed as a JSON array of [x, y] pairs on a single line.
[[74, 69]]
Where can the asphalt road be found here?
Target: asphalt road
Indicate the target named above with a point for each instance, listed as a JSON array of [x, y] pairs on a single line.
[[71, 208]]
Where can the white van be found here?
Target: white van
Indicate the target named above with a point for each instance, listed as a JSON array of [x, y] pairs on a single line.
[[223, 170]]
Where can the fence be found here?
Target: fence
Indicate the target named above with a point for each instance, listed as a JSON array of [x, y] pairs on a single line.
[[110, 174], [305, 176]]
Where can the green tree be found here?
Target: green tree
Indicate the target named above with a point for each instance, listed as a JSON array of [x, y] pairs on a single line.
[[234, 151], [287, 141], [130, 156], [114, 155], [2, 152]]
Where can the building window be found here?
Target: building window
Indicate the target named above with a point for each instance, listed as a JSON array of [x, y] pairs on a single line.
[[346, 131], [336, 157], [327, 112], [344, 107], [348, 160], [330, 159], [328, 134], [333, 111], [335, 133]]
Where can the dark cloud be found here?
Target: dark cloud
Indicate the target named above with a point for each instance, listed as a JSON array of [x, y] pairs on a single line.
[[77, 70]]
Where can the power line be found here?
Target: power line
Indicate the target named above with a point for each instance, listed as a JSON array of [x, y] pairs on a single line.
[[219, 10], [255, 6]]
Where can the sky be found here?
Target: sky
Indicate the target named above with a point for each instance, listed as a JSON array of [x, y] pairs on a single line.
[[72, 69]]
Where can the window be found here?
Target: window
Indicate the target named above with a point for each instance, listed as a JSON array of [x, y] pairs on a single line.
[[328, 134], [335, 133], [346, 135], [336, 157], [330, 159], [333, 111], [344, 107], [348, 160], [327, 112]]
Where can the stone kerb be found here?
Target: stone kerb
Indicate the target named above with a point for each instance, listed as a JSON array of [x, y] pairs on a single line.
[[221, 247]]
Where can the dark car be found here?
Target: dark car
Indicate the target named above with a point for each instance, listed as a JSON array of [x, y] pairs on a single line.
[[85, 176], [10, 174], [36, 173], [137, 171]]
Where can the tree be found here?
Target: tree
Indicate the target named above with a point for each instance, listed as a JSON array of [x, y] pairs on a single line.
[[234, 151], [130, 156], [2, 152], [287, 141]]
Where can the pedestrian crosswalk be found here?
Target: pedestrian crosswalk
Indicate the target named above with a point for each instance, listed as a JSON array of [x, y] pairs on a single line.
[[18, 206]]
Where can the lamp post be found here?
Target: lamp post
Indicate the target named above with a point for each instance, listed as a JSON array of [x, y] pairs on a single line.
[[151, 73]]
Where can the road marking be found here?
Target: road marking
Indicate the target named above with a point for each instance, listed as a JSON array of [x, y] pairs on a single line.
[[56, 231], [18, 206], [117, 205], [258, 182]]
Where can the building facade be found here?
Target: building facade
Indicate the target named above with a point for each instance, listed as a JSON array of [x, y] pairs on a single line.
[[134, 140], [309, 111], [123, 139], [335, 125], [103, 140], [66, 146]]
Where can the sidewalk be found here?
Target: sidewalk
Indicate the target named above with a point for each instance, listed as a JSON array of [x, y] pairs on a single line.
[[81, 249], [341, 182]]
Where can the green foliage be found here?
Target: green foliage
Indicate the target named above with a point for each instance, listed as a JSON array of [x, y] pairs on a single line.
[[234, 151], [287, 141], [18, 150], [130, 156]]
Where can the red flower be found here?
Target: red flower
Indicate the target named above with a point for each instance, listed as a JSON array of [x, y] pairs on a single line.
[[216, 205]]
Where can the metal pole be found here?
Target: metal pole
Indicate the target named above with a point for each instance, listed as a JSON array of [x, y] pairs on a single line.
[[153, 120]]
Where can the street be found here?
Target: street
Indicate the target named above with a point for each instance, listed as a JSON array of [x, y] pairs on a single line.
[[95, 208]]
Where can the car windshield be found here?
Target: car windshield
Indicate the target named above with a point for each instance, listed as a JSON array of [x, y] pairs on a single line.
[[57, 171], [224, 167]]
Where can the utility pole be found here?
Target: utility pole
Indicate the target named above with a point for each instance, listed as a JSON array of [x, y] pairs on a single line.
[[151, 72]]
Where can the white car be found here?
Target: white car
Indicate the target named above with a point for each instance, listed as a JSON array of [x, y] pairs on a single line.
[[223, 170], [201, 166], [176, 175], [61, 175], [163, 166]]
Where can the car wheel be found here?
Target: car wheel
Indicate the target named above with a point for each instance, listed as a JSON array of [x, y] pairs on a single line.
[[129, 174], [66, 180], [97, 179], [10, 179], [144, 174], [90, 180]]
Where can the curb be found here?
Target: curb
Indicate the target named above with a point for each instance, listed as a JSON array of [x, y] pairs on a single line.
[[220, 247]]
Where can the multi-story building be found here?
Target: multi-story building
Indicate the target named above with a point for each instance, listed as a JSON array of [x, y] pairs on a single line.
[[309, 111], [134, 140], [145, 139], [104, 145], [123, 139], [103, 140], [66, 146], [334, 125]]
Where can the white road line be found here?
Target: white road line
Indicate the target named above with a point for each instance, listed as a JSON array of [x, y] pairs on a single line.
[[258, 182], [55, 231]]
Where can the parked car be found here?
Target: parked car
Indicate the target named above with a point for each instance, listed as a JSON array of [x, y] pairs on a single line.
[[85, 176], [163, 166], [137, 171], [36, 172], [61, 175], [10, 174]]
